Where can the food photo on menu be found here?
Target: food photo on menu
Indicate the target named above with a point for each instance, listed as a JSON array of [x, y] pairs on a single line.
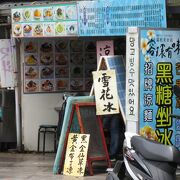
[[37, 29], [48, 14], [61, 71], [32, 86], [31, 72], [46, 72], [90, 46], [76, 71], [16, 16], [62, 84], [61, 59], [76, 58], [46, 59], [71, 12], [17, 30], [37, 14], [61, 45], [47, 85], [30, 46], [76, 46], [71, 28], [27, 14], [46, 47], [27, 30], [60, 13], [60, 29], [49, 29], [31, 59], [90, 59], [76, 84]]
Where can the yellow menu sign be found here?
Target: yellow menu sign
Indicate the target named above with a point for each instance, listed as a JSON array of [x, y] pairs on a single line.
[[76, 154]]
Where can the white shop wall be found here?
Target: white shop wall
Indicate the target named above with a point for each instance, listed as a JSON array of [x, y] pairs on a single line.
[[38, 109]]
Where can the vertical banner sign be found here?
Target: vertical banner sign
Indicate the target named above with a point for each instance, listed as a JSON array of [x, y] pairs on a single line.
[[76, 154], [105, 88], [132, 77], [159, 72], [6, 64], [112, 17], [104, 48]]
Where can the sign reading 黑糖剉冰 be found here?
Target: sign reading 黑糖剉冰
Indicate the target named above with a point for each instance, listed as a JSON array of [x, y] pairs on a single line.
[[159, 72]]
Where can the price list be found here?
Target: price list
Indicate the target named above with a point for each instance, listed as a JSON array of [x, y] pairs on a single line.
[[99, 18]]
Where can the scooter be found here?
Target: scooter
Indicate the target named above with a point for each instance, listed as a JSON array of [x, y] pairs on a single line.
[[144, 159]]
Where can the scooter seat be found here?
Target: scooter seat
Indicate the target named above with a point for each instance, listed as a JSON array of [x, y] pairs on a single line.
[[153, 150]]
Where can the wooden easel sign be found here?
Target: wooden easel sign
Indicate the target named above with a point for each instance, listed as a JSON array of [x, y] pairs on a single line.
[[76, 154]]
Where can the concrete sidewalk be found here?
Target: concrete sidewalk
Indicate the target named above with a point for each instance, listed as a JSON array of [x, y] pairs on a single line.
[[33, 166]]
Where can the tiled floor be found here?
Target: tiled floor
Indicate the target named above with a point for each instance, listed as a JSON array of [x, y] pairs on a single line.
[[16, 166]]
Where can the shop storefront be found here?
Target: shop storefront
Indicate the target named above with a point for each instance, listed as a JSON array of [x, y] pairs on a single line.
[[58, 51]]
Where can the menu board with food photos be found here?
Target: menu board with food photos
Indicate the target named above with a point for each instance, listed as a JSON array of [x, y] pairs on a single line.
[[45, 21], [58, 65]]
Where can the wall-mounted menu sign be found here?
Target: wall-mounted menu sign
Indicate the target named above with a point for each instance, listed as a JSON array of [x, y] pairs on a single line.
[[87, 18], [45, 21], [112, 17], [58, 65]]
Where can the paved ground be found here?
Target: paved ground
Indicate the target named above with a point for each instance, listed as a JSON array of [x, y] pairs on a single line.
[[15, 166]]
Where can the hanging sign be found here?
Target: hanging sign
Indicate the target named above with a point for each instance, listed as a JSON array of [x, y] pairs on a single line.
[[105, 88], [76, 154], [6, 64], [104, 48]]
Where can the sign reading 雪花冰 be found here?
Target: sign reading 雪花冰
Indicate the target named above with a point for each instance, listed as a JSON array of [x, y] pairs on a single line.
[[6, 64], [105, 88], [104, 48], [159, 72], [112, 17], [76, 154]]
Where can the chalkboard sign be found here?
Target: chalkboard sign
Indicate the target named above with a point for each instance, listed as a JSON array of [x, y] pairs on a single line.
[[65, 128], [91, 124], [82, 118]]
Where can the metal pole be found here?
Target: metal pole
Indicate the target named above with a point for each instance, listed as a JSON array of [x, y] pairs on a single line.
[[18, 123], [17, 104]]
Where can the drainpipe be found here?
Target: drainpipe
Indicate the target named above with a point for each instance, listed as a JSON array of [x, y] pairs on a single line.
[[17, 103]]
